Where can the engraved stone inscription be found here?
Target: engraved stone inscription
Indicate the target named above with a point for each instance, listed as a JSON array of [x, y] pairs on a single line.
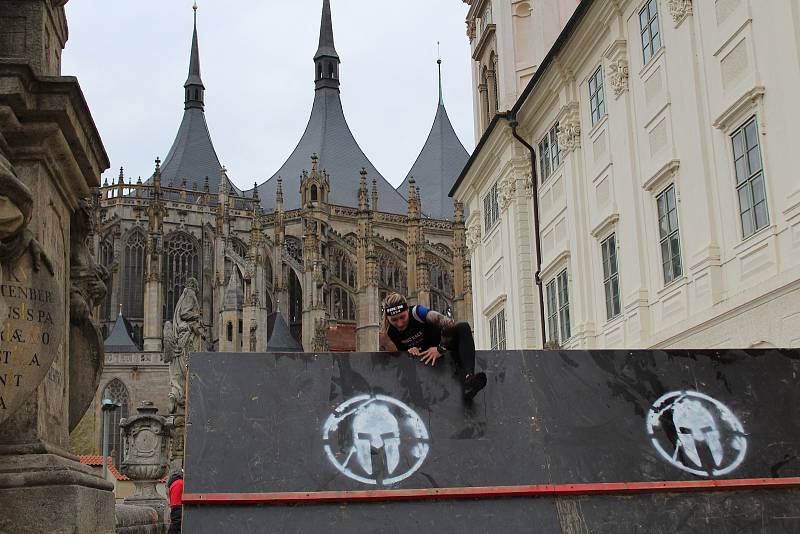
[[31, 336]]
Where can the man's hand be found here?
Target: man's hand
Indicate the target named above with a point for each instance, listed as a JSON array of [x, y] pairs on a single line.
[[430, 356], [413, 351]]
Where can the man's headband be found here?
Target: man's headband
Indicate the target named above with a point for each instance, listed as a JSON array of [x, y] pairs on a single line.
[[396, 310]]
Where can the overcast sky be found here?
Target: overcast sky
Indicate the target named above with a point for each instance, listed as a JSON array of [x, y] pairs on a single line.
[[131, 59]]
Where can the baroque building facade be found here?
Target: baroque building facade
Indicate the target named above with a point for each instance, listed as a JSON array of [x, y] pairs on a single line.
[[319, 244], [643, 177]]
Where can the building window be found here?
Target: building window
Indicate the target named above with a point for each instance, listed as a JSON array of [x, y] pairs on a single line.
[[651, 37], [750, 186], [181, 262], [597, 100], [341, 305], [229, 331], [549, 153], [486, 18], [491, 209], [558, 322], [611, 276], [107, 261], [669, 235], [117, 392], [496, 95], [497, 331], [133, 276]]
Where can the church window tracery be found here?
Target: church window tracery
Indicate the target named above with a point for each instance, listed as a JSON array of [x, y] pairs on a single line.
[[342, 266], [181, 262], [133, 276], [341, 305], [294, 247], [391, 273], [106, 260], [117, 392]]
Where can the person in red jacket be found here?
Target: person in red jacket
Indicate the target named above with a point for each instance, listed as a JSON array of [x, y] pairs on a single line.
[[175, 492]]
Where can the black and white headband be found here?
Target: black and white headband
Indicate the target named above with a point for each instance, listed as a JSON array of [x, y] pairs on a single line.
[[396, 310]]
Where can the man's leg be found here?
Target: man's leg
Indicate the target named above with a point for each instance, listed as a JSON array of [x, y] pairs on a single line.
[[464, 355], [463, 349]]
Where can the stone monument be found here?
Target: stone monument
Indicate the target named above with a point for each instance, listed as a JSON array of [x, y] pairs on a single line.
[[51, 355], [182, 335], [145, 442]]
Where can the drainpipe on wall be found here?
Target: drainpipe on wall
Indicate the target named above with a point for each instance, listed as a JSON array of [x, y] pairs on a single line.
[[512, 121]]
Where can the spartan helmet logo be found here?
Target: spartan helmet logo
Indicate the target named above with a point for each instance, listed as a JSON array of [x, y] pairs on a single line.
[[682, 425], [374, 427], [375, 439], [695, 424]]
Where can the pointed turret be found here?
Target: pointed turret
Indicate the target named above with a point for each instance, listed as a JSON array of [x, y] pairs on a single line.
[[439, 163], [194, 85], [192, 155], [328, 135], [119, 340], [326, 60]]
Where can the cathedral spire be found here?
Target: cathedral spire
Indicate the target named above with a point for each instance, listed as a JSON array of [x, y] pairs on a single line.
[[326, 60], [439, 63], [194, 85]]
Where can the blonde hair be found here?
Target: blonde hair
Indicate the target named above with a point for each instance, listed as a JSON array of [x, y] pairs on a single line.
[[391, 300]]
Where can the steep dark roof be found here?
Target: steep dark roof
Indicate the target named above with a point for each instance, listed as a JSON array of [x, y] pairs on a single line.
[[438, 165], [192, 156], [281, 339], [328, 135], [120, 340]]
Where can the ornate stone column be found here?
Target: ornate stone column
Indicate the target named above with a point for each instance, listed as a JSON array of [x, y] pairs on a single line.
[[145, 445], [50, 158]]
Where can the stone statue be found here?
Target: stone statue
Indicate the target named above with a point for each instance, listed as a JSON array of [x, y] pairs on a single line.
[[87, 289], [16, 208], [253, 330], [183, 335]]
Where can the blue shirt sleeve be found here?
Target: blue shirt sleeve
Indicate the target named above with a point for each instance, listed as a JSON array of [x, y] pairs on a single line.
[[419, 312]]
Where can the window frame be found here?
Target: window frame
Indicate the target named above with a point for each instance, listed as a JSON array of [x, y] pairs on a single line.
[[597, 96], [671, 236], [747, 183], [649, 48], [491, 210], [497, 330], [559, 321], [550, 154], [608, 254]]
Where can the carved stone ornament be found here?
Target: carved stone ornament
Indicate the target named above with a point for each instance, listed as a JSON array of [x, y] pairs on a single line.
[[32, 313], [145, 440], [505, 193], [679, 9], [87, 290], [569, 135], [474, 234], [184, 334], [618, 76], [319, 343], [145, 446]]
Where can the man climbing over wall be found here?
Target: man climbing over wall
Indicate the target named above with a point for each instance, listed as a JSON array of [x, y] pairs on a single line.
[[427, 335]]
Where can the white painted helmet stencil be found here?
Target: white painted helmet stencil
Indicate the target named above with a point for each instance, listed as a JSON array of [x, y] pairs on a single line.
[[681, 422], [375, 439]]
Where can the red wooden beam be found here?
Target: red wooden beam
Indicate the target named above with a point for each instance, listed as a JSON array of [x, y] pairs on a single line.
[[537, 490]]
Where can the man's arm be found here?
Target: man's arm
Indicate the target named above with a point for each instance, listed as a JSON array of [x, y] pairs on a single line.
[[443, 323]]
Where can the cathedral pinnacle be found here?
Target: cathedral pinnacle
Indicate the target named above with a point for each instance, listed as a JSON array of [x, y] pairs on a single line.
[[326, 60], [439, 63], [194, 85]]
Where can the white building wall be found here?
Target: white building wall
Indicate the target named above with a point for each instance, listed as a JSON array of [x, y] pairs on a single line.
[[720, 64]]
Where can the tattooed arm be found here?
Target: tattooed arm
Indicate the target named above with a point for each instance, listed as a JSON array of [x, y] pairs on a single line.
[[443, 323]]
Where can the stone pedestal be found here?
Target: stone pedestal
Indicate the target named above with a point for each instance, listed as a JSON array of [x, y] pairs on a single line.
[[145, 439], [44, 489], [49, 148]]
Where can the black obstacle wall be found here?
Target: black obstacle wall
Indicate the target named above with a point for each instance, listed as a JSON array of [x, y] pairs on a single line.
[[340, 422]]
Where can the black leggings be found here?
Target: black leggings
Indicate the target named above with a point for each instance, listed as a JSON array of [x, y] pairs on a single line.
[[462, 348]]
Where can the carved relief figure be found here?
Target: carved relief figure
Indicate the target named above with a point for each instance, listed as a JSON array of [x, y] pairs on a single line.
[[16, 208], [183, 335]]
